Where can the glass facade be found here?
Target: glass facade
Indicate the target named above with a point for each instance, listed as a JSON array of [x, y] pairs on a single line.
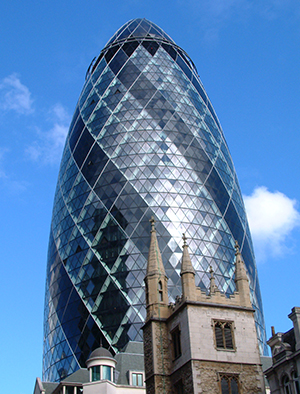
[[144, 141]]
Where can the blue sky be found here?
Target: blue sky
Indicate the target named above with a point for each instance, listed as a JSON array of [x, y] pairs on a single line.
[[247, 56]]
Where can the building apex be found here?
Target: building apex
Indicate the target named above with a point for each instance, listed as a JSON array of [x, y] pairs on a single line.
[[186, 265], [152, 221]]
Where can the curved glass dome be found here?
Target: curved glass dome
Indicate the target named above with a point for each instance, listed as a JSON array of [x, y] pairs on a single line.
[[139, 28], [144, 141]]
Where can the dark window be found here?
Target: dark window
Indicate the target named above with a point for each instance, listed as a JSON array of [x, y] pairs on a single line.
[[229, 384], [69, 390], [95, 373], [176, 343], [223, 335], [160, 292], [110, 53], [171, 51], [296, 382], [179, 387], [151, 46], [130, 47], [286, 385], [147, 294]]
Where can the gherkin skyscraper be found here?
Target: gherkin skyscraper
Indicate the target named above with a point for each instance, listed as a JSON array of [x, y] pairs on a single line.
[[144, 141]]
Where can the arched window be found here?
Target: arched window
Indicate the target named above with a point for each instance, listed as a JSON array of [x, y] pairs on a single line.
[[223, 335], [229, 384], [286, 385], [160, 291]]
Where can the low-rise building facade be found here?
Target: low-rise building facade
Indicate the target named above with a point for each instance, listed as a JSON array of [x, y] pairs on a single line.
[[283, 375]]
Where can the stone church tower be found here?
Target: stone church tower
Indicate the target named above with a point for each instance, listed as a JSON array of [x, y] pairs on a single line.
[[204, 343]]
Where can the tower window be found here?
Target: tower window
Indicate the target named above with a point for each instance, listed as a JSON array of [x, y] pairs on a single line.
[[224, 335], [101, 372], [96, 373], [147, 293], [106, 372], [229, 384], [160, 291], [176, 342]]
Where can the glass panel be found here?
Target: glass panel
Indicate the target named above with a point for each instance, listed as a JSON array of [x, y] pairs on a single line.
[[140, 379], [106, 372], [225, 386], [134, 379], [219, 336], [95, 373], [69, 390], [234, 386], [228, 336]]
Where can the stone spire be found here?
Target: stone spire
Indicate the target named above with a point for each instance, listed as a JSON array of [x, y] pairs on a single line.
[[241, 278], [156, 281], [186, 266], [187, 274], [155, 264]]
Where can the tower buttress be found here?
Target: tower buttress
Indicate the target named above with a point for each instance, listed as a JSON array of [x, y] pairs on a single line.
[[241, 279]]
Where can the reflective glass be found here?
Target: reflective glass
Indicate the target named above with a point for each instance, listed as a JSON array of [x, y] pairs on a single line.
[[106, 372], [95, 373], [144, 141]]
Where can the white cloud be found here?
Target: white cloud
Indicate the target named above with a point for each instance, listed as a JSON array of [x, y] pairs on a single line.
[[15, 96], [48, 146], [272, 217], [60, 112]]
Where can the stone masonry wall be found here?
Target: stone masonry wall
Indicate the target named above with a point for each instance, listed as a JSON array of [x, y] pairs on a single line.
[[206, 376], [157, 358], [148, 358]]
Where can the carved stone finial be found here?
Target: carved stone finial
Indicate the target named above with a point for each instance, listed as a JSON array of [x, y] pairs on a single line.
[[237, 248], [212, 288], [184, 239], [273, 330], [152, 221]]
